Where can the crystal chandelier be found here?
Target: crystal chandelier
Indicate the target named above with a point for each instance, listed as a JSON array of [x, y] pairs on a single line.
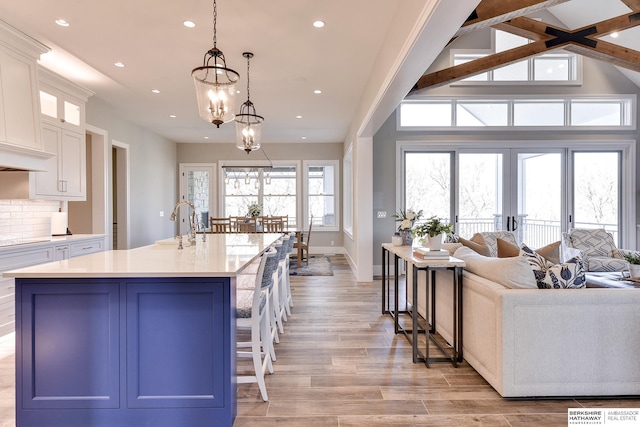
[[215, 84], [248, 123]]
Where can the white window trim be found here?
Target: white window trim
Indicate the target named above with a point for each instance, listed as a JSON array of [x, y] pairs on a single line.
[[305, 192], [510, 100], [347, 194]]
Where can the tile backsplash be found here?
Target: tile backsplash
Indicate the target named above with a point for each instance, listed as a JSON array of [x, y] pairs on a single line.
[[26, 219]]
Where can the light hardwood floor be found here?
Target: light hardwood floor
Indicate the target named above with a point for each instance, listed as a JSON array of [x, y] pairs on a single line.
[[340, 365]]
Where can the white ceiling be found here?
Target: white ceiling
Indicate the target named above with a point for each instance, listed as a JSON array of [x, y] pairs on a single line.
[[292, 58]]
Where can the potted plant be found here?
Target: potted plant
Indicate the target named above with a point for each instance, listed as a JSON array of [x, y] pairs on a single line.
[[407, 219], [254, 210], [435, 228], [634, 263]]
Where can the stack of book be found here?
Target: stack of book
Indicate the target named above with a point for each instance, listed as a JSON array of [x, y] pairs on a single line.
[[426, 253]]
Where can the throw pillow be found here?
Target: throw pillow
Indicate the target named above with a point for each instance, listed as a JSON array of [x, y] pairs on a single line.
[[508, 272], [569, 274], [551, 252], [507, 249], [476, 245], [491, 237]]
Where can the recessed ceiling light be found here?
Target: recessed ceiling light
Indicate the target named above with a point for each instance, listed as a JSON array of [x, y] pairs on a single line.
[[298, 117], [62, 22], [304, 137], [155, 91], [614, 35], [119, 64], [189, 24], [317, 91], [206, 137], [173, 116], [318, 24]]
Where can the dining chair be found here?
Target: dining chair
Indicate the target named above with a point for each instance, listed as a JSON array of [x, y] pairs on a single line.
[[274, 224], [252, 312], [304, 245], [220, 225], [241, 224]]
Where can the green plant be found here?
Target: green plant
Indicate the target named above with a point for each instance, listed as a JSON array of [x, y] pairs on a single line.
[[407, 218], [632, 257], [432, 227], [254, 210]]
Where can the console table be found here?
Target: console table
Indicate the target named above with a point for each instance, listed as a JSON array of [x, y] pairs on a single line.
[[429, 266]]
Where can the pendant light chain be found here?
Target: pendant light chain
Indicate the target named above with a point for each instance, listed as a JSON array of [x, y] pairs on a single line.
[[248, 74], [215, 18]]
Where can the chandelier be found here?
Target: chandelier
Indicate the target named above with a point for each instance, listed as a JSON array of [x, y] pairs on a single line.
[[248, 123], [215, 84]]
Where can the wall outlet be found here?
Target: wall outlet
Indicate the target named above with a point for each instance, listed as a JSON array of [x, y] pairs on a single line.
[[382, 214], [161, 213], [332, 243]]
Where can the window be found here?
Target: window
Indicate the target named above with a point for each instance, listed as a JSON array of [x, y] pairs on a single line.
[[559, 66], [559, 113], [279, 197], [274, 188], [322, 194], [241, 188]]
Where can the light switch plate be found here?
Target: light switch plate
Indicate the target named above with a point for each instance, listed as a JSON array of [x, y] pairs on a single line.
[[382, 214]]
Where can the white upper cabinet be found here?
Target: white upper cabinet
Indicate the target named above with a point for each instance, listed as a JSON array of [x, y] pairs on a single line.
[[19, 103], [62, 106]]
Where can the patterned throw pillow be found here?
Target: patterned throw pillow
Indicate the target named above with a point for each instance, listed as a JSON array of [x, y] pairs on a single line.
[[568, 274]]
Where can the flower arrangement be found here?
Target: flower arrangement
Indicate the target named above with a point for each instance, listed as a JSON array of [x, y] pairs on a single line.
[[407, 219], [432, 227], [254, 210]]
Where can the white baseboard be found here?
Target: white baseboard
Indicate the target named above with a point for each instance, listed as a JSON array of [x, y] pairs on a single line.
[[326, 250]]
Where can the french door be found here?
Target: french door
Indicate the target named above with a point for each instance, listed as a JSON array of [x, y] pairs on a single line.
[[197, 185], [535, 193]]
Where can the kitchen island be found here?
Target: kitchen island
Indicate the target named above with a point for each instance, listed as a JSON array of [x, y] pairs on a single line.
[[142, 337]]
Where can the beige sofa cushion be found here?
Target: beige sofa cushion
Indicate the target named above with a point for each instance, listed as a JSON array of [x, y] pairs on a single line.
[[509, 272]]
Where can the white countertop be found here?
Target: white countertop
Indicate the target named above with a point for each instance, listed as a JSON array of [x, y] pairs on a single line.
[[222, 255], [35, 241]]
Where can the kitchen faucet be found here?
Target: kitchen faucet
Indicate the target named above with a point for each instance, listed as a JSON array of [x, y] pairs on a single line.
[[192, 219]]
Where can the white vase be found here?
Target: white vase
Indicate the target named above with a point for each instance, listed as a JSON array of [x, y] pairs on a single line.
[[634, 269], [435, 242]]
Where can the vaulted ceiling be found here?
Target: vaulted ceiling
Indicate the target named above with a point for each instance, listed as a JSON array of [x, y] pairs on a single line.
[[588, 39], [292, 58]]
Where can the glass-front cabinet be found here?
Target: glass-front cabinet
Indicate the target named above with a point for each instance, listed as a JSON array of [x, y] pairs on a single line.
[[62, 106]]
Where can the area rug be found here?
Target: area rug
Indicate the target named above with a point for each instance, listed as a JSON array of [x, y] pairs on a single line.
[[319, 265]]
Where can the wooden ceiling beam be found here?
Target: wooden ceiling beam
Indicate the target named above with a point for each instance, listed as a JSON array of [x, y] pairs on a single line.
[[491, 12], [584, 41], [632, 4]]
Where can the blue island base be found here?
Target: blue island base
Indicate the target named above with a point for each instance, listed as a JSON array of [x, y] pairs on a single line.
[[125, 352]]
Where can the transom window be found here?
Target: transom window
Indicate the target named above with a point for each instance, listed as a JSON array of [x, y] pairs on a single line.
[[531, 112], [556, 66]]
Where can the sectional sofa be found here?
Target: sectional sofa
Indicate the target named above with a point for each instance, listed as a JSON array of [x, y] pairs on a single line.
[[530, 342]]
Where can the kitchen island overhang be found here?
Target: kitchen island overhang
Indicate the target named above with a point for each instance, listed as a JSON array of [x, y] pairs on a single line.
[[132, 338]]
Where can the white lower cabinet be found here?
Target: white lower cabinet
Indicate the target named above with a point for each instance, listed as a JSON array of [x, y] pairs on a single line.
[[15, 257]]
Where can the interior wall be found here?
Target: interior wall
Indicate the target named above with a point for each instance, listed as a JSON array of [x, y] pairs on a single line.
[[153, 172], [215, 153], [81, 213]]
